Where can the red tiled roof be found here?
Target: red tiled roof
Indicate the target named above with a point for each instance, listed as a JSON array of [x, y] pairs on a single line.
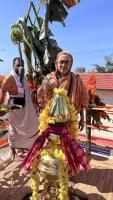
[[104, 81]]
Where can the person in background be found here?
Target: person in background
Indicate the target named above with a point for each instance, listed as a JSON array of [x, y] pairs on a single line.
[[64, 78], [23, 122]]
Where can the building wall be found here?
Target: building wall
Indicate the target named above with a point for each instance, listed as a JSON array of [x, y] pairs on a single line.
[[106, 96]]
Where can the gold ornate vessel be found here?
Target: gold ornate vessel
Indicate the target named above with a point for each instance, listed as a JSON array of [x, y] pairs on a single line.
[[48, 167]]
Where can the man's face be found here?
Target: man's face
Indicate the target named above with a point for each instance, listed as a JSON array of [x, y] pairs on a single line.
[[18, 68], [63, 64]]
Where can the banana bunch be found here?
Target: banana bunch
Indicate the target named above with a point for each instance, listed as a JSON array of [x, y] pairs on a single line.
[[16, 33]]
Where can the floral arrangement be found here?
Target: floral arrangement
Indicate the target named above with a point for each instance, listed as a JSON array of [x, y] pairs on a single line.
[[55, 150], [62, 190], [45, 119]]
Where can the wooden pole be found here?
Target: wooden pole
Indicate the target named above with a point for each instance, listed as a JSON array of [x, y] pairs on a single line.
[[88, 131]]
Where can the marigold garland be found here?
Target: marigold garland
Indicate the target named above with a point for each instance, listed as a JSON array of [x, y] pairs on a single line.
[[35, 180], [54, 150], [44, 119]]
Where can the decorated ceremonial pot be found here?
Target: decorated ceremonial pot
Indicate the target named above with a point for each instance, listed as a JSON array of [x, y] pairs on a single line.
[[48, 167]]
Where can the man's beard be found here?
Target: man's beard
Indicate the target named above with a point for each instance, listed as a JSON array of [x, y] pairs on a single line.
[[20, 73]]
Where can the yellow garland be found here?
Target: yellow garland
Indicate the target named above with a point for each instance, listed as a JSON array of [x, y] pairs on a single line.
[[35, 180], [45, 119], [3, 109], [54, 150]]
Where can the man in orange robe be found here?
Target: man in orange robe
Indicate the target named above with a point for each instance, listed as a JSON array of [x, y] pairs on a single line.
[[64, 78]]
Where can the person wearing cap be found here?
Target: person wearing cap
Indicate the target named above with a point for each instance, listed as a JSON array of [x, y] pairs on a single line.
[[72, 83]]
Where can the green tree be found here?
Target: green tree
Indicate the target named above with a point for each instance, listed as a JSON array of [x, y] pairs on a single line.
[[99, 68], [108, 68], [109, 63], [80, 69]]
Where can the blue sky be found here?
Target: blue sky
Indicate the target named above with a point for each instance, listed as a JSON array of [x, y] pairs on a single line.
[[88, 34]]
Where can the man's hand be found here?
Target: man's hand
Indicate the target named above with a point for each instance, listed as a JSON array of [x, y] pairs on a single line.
[[81, 122]]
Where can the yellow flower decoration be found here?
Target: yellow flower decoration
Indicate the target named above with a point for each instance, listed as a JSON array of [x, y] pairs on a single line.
[[54, 150], [45, 119]]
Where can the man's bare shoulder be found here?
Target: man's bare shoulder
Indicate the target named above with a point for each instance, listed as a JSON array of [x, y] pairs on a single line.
[[8, 79], [7, 83]]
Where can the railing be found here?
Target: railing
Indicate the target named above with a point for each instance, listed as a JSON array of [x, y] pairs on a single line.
[[108, 110]]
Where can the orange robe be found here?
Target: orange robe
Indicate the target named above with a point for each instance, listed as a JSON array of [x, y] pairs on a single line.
[[77, 91]]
